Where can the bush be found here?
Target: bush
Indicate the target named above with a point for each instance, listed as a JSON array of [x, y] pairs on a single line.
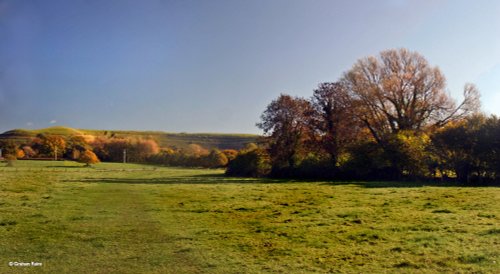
[[470, 149], [409, 154], [215, 159], [88, 158], [366, 161], [250, 163], [314, 166]]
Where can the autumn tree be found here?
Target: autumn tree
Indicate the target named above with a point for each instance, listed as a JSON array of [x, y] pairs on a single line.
[[75, 146], [333, 125], [88, 158], [196, 150], [11, 159], [137, 150], [140, 149], [8, 148], [215, 159], [51, 145], [285, 123], [399, 90], [230, 153]]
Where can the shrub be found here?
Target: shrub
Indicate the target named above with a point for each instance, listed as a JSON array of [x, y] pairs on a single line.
[[314, 166], [408, 152], [88, 158], [250, 163], [470, 149], [366, 161], [215, 159]]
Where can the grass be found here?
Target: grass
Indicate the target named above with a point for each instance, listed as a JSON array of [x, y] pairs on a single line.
[[116, 218]]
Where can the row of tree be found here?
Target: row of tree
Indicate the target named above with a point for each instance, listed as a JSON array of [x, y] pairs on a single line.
[[388, 117], [50, 146], [193, 156], [113, 149]]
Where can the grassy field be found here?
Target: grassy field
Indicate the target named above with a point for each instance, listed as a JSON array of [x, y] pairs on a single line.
[[117, 218]]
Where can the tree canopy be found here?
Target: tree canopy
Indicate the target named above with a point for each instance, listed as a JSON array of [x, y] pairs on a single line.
[[399, 90]]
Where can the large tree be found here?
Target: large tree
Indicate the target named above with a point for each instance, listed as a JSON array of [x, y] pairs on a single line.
[[332, 124], [399, 90], [50, 145], [285, 123]]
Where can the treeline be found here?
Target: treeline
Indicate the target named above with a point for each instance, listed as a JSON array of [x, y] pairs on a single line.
[[388, 117], [193, 156], [90, 150]]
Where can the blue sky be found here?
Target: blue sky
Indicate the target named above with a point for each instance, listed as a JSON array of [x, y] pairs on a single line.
[[213, 66]]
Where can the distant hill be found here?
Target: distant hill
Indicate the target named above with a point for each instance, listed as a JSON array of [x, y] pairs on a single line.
[[164, 139]]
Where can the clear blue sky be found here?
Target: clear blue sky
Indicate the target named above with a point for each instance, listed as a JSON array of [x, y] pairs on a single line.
[[213, 66]]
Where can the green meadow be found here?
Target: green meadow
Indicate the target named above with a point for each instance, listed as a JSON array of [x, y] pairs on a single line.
[[126, 218]]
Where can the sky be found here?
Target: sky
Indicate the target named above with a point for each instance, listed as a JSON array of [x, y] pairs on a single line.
[[214, 66]]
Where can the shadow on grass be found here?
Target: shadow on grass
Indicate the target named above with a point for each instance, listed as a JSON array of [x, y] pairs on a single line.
[[405, 184], [222, 179], [199, 179], [192, 179], [82, 166]]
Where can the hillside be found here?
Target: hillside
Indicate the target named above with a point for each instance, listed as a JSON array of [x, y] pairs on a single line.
[[164, 139]]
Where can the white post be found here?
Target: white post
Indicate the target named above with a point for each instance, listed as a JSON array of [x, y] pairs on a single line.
[[124, 156], [55, 156]]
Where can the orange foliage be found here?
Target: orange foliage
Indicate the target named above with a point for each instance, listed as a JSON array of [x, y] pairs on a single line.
[[88, 157]]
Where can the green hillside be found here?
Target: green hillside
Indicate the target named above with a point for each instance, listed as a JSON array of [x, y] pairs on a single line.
[[164, 139]]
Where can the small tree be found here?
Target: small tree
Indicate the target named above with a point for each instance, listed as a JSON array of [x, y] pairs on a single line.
[[88, 158], [11, 159], [8, 148]]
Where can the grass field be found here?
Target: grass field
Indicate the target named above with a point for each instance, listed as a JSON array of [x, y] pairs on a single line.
[[117, 218]]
